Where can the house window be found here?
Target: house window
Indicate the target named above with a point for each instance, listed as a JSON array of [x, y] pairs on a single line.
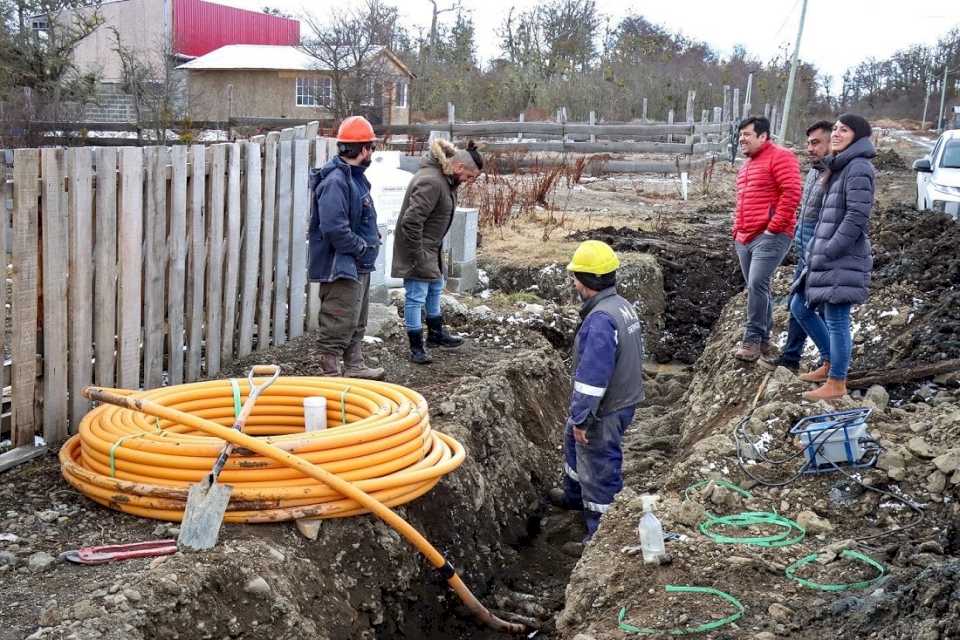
[[370, 99], [400, 94], [39, 24], [314, 92]]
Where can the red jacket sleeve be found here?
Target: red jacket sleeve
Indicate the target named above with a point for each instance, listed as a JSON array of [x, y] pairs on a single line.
[[786, 172]]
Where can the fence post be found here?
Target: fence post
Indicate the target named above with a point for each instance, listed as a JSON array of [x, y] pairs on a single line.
[[521, 120], [451, 117], [735, 116], [670, 121], [593, 121], [766, 110], [644, 116], [704, 120], [725, 116], [747, 104], [691, 98], [773, 121]]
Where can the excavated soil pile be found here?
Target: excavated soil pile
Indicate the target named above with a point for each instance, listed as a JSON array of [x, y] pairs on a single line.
[[889, 160], [700, 274], [358, 579]]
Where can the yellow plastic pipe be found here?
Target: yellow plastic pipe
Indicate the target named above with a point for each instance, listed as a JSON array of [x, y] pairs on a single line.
[[140, 451]]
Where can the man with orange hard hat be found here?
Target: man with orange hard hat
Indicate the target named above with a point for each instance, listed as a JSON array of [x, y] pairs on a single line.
[[343, 249]]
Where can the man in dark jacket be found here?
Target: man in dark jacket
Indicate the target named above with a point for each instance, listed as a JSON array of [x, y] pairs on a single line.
[[607, 386], [343, 248], [768, 192], [818, 146], [425, 217]]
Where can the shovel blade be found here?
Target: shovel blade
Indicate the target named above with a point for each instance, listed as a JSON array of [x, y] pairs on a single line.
[[206, 504]]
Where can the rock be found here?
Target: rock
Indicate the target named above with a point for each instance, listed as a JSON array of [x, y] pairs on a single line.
[[955, 478], [891, 459], [84, 610], [40, 561], [534, 309], [936, 482], [583, 636], [48, 516], [931, 546], [453, 307], [383, 321], [948, 462], [765, 635], [919, 447], [50, 615], [780, 613], [308, 528], [7, 558], [690, 513], [257, 586], [276, 555], [813, 524], [132, 595], [718, 444], [878, 397], [897, 473], [481, 311]]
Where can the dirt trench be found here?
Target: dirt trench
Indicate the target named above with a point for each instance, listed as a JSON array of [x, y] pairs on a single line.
[[359, 579]]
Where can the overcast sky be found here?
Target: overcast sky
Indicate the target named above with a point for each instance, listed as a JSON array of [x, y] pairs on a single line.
[[838, 33]]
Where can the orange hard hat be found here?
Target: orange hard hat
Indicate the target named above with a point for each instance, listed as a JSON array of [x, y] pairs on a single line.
[[356, 129]]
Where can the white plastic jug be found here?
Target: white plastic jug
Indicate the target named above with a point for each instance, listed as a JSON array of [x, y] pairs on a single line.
[[315, 413], [651, 533]]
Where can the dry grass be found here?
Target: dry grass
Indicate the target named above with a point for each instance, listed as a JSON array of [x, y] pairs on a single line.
[[522, 242]]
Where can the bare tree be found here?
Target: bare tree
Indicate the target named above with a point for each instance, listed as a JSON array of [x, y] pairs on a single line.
[[154, 87], [350, 46]]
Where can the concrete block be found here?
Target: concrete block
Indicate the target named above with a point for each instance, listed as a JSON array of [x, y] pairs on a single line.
[[464, 277], [463, 235]]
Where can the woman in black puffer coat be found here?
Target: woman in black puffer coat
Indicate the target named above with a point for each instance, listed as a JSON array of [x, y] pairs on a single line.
[[838, 258]]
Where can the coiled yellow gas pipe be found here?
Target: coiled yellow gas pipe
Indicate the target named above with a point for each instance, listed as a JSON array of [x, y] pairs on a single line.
[[380, 451]]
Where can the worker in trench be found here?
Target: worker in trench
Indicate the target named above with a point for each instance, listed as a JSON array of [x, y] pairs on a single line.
[[607, 386], [425, 217], [344, 243]]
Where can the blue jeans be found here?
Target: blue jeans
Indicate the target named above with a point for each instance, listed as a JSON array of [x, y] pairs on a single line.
[[831, 333], [796, 336], [758, 260], [420, 294], [593, 471]]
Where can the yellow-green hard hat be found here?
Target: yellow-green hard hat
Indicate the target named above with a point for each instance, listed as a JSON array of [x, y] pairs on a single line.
[[593, 256]]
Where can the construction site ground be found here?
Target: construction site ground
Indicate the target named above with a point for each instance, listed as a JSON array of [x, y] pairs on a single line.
[[504, 396]]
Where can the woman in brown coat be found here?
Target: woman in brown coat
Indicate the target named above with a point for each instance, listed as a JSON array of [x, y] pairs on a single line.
[[425, 218]]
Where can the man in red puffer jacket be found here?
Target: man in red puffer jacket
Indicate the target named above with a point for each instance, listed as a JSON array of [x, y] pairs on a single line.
[[768, 193]]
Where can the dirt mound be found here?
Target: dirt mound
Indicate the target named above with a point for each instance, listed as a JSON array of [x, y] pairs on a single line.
[[889, 160], [359, 579], [700, 274]]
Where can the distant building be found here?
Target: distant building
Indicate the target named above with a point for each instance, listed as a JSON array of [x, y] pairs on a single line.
[[285, 82], [166, 32]]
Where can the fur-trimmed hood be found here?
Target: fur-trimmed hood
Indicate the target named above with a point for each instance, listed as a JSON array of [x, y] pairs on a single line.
[[441, 155]]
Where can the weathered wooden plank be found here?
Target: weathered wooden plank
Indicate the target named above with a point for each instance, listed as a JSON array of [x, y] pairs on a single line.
[[313, 128], [298, 238], [253, 206], [232, 256], [155, 266], [214, 297], [20, 455], [197, 260], [105, 269], [80, 208], [129, 249], [264, 313], [177, 266], [282, 250], [288, 134], [25, 225], [300, 132], [55, 254], [587, 147], [5, 189], [320, 157]]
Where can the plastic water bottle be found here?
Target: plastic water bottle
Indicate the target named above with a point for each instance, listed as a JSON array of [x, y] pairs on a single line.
[[651, 533]]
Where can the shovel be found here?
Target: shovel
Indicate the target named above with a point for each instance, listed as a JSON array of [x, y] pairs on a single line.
[[207, 500]]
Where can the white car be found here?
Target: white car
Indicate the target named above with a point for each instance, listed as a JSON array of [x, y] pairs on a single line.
[[938, 176]]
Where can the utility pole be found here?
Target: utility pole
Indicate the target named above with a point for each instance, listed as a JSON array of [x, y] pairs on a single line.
[[793, 76], [943, 97], [926, 98]]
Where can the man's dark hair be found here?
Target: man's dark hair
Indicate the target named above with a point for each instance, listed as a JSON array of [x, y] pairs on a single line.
[[760, 125], [351, 150], [826, 125]]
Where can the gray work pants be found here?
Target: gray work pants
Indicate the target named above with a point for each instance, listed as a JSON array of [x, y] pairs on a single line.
[[758, 260]]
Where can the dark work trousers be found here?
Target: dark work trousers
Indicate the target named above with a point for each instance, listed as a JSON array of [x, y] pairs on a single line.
[[593, 471], [758, 260], [343, 313]]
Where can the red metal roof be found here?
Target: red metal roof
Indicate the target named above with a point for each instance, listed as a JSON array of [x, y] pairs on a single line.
[[201, 27]]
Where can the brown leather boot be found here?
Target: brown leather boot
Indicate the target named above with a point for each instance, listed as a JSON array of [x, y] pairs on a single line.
[[832, 389], [748, 352], [355, 367], [817, 375], [329, 364]]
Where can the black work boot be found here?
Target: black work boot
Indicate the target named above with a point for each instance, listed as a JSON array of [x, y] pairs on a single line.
[[418, 354], [437, 336]]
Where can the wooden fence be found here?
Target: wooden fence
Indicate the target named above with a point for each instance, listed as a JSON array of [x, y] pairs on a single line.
[[143, 266]]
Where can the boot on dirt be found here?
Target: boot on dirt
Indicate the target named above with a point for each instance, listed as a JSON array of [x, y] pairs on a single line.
[[329, 364], [355, 367], [769, 350], [418, 354], [437, 336], [832, 389], [558, 498], [772, 362], [748, 352], [817, 375]]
